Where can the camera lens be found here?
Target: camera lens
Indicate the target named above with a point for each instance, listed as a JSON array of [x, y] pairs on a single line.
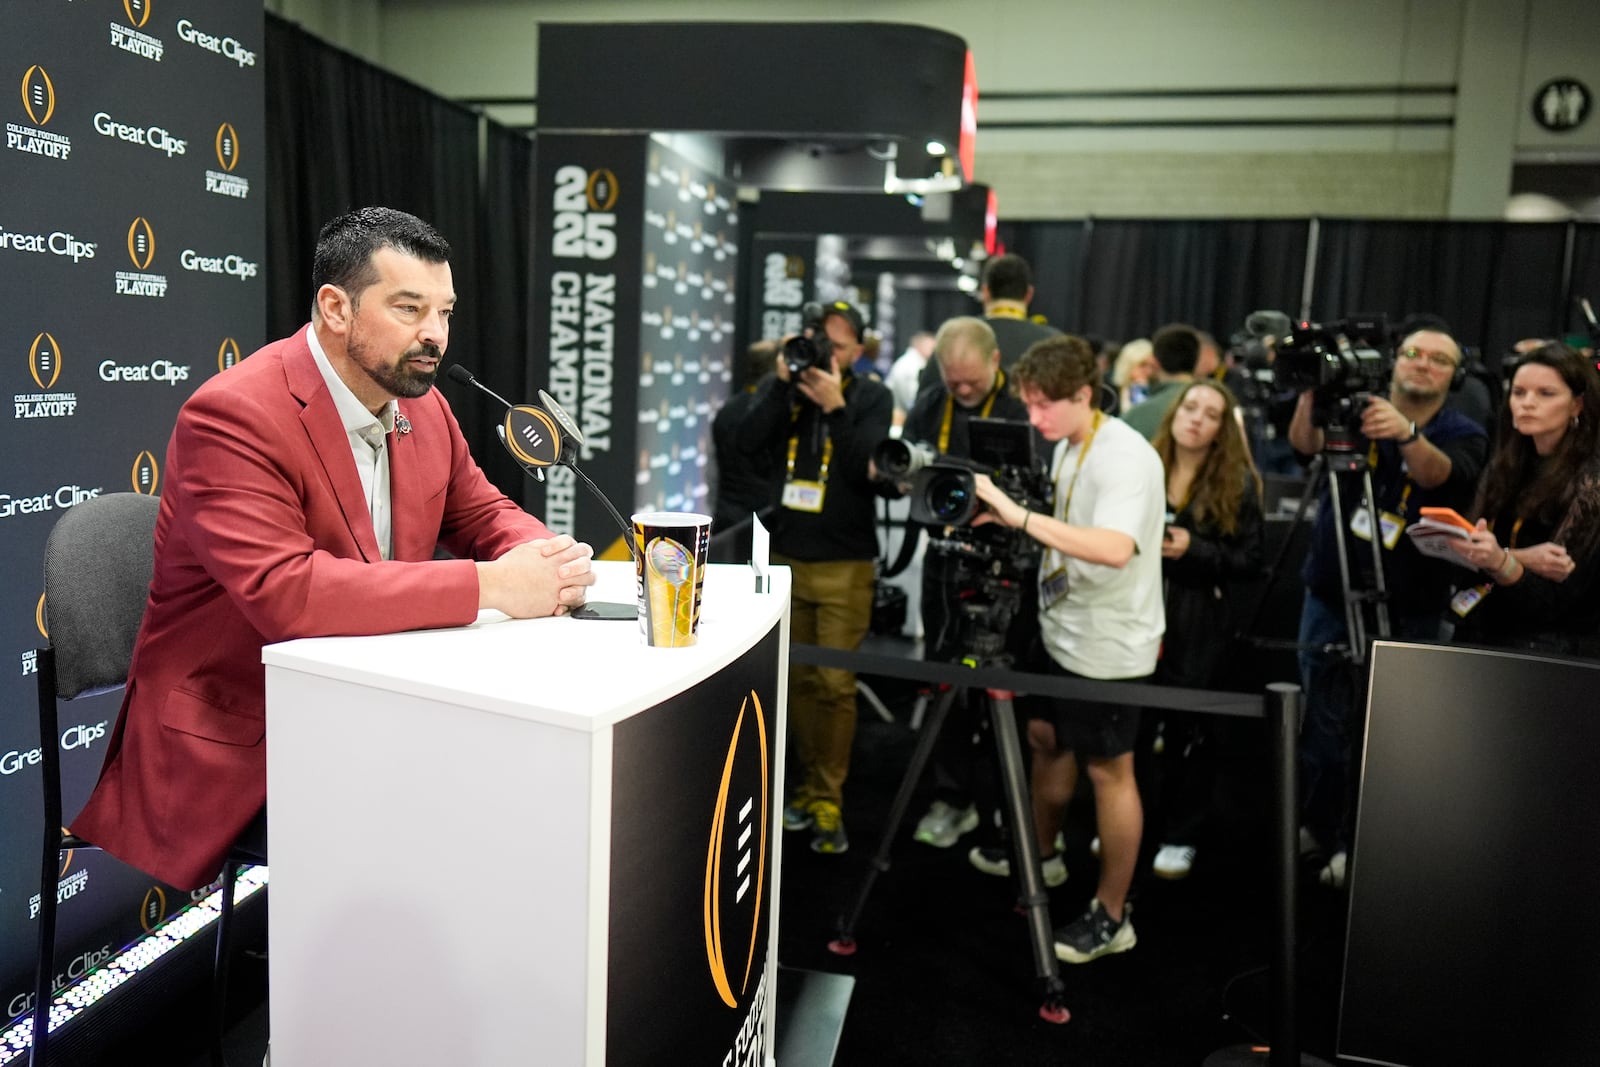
[[950, 500]]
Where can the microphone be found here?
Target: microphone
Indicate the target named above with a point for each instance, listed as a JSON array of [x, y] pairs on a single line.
[[540, 437]]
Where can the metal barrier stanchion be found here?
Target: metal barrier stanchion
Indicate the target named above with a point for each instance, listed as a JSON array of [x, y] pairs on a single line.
[[1282, 707]]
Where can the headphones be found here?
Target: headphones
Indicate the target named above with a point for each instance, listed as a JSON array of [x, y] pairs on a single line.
[[1460, 374]]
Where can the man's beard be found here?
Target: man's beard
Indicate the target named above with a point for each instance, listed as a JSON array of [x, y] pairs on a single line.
[[1416, 390], [400, 378]]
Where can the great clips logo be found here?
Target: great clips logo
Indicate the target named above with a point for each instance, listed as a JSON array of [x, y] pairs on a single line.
[[227, 47], [225, 182], [131, 38], [141, 252], [39, 105], [736, 857], [44, 369]]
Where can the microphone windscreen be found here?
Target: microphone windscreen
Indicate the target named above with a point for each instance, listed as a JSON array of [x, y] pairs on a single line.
[[458, 373]]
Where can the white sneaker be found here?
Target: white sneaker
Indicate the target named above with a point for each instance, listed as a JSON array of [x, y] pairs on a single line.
[[1173, 862], [1334, 873], [943, 825], [995, 861]]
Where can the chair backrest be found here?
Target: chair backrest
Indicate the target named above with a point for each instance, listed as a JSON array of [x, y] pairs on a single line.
[[97, 567]]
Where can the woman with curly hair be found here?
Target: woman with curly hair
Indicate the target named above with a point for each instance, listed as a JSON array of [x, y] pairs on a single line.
[[1213, 538], [1538, 510]]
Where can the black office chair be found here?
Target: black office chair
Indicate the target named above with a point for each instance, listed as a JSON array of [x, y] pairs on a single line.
[[97, 567]]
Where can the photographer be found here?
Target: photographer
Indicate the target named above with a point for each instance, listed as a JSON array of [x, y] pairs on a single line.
[[972, 385], [1420, 454], [818, 423], [1100, 617]]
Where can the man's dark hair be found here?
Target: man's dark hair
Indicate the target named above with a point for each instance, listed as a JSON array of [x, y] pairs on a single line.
[[1007, 277], [1424, 320], [1057, 367], [1177, 349], [759, 359], [346, 245]]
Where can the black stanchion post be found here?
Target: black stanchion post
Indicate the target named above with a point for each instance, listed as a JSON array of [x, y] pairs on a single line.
[[1282, 708]]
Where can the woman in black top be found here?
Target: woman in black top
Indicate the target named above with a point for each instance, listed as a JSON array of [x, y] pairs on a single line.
[[1214, 538], [1538, 511]]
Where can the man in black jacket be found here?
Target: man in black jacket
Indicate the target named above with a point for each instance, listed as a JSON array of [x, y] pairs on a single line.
[[820, 426]]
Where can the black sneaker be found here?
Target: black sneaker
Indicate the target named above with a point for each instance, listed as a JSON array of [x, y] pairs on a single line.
[[1095, 934]]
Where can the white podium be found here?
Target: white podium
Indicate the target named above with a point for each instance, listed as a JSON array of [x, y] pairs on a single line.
[[530, 842]]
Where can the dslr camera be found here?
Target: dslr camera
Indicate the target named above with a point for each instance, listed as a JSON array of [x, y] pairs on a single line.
[[811, 347]]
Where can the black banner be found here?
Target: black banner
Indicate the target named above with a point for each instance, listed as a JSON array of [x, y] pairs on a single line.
[[693, 803], [634, 276], [132, 243], [782, 279]]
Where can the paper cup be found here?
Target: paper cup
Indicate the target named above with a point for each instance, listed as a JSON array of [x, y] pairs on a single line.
[[670, 571]]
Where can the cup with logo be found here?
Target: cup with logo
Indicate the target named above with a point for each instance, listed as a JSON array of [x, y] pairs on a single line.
[[670, 570]]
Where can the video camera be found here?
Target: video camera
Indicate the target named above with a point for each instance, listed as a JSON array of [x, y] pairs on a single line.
[[1342, 363], [811, 347], [944, 494]]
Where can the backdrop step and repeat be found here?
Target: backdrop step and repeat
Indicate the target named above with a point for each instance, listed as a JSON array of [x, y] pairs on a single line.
[[132, 246]]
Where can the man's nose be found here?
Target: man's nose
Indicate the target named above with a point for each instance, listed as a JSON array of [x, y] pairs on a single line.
[[435, 330]]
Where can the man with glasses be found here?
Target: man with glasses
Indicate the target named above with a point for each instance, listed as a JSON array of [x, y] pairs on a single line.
[[1421, 454]]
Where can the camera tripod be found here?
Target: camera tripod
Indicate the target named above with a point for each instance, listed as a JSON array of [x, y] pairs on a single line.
[[1338, 463], [1002, 716]]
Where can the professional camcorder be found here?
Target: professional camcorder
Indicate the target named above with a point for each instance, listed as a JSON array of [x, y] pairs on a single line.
[[944, 494], [1341, 363], [811, 347]]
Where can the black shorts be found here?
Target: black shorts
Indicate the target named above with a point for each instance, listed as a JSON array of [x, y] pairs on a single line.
[[1089, 728]]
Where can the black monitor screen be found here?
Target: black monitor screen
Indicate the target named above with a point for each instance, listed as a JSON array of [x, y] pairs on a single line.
[[1474, 933]]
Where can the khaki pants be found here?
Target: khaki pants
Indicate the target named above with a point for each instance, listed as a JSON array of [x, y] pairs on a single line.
[[831, 606]]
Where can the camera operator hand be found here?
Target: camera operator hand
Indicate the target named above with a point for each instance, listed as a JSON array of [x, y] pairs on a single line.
[[1001, 508], [1382, 421], [824, 388]]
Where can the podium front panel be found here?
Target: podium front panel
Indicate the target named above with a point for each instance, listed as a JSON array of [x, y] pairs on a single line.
[[693, 797]]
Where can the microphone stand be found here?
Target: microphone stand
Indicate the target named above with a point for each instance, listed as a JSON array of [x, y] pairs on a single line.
[[569, 438]]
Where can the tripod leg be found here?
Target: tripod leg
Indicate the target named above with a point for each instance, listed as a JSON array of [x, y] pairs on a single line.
[[845, 943], [1019, 811]]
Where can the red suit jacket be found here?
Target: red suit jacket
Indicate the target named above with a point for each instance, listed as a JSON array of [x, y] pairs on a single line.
[[264, 535]]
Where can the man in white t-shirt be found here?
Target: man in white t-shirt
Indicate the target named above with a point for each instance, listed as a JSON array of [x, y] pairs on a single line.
[[904, 374], [1100, 617]]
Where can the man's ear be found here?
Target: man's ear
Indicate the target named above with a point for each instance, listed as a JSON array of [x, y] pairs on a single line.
[[334, 308]]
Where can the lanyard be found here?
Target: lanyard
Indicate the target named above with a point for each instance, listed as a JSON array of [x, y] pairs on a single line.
[[827, 439], [1516, 528], [950, 410], [827, 456], [1083, 454], [1405, 493]]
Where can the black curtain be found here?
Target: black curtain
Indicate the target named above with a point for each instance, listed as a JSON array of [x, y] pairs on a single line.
[[1210, 273], [1494, 282], [1055, 252], [344, 134], [1585, 278], [1123, 278]]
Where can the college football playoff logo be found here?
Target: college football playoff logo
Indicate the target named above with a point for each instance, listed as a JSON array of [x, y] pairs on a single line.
[[44, 361], [38, 95], [146, 475], [228, 353], [601, 190], [227, 147], [735, 878], [138, 12], [152, 908], [141, 243]]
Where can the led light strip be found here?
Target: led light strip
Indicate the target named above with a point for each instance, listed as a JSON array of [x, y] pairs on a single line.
[[83, 994]]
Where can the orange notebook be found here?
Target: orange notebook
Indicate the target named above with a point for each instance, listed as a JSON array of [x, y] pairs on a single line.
[[1448, 516]]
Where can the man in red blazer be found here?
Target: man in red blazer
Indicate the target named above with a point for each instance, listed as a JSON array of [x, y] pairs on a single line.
[[307, 490]]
